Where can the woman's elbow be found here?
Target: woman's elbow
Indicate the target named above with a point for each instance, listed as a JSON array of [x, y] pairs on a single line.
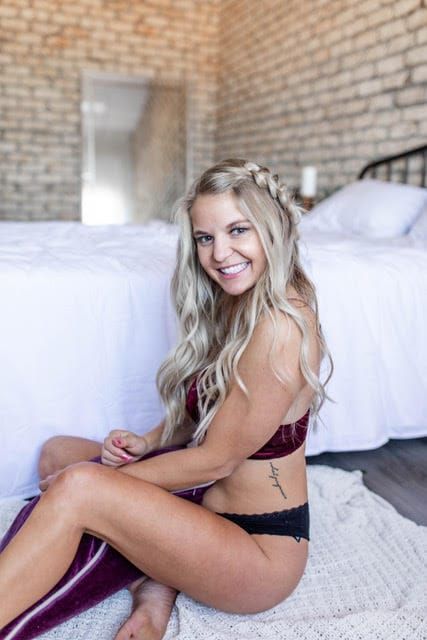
[[225, 468], [221, 465]]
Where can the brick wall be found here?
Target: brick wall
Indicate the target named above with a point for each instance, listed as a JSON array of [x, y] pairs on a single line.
[[45, 45], [333, 83]]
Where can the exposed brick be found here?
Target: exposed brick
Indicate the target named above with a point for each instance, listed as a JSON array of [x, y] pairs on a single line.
[[419, 74], [417, 55], [412, 95], [403, 7], [389, 65], [417, 19], [421, 36], [337, 85], [417, 112]]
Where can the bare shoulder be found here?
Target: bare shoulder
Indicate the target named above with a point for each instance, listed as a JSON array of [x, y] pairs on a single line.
[[280, 335], [285, 327]]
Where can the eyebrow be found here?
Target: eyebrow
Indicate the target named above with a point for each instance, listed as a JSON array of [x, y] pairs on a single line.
[[199, 232]]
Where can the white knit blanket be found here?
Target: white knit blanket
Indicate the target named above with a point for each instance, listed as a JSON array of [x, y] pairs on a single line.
[[366, 579]]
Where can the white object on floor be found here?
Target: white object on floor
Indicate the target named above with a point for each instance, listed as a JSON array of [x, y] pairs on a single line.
[[366, 577]]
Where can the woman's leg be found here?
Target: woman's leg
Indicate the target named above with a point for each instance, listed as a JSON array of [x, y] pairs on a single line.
[[61, 451], [152, 602], [174, 541], [151, 611]]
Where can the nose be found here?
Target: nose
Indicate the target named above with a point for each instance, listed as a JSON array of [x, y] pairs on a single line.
[[222, 249]]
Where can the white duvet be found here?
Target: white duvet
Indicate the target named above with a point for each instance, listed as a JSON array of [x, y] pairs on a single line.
[[372, 304], [86, 320]]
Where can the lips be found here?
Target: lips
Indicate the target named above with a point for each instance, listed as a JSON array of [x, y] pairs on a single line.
[[234, 269]]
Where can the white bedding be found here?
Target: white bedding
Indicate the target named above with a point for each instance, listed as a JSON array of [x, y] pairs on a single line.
[[86, 320], [372, 305]]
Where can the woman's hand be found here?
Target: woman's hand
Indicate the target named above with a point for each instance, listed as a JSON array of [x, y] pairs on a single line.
[[123, 447], [46, 482]]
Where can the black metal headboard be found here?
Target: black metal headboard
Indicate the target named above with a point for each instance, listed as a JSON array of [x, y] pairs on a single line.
[[400, 167]]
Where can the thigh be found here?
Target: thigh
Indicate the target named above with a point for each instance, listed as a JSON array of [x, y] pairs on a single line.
[[178, 543], [60, 451]]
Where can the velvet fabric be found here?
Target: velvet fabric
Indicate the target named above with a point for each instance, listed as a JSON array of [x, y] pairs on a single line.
[[97, 572], [287, 439]]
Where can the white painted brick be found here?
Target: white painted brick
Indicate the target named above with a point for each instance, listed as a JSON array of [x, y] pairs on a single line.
[[403, 7], [417, 19], [411, 95], [17, 91], [379, 16], [369, 87], [421, 36], [364, 71], [382, 101], [401, 43], [417, 55], [365, 39], [394, 80], [403, 130], [417, 112], [378, 52], [390, 65], [419, 74], [355, 27], [326, 85], [391, 29]]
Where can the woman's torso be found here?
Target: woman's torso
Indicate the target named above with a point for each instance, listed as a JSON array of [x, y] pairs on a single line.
[[261, 486], [265, 485]]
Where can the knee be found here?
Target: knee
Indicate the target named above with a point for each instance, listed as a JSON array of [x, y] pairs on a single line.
[[67, 498], [49, 460], [70, 487]]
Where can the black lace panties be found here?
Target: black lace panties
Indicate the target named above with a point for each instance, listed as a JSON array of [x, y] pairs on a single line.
[[293, 522]]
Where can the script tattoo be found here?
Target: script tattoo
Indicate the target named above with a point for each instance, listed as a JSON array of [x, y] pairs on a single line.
[[275, 476]]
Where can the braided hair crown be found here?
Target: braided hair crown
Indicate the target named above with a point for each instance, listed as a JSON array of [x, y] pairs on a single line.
[[264, 179]]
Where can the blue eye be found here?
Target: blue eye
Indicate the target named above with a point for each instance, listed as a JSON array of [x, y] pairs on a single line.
[[240, 230], [202, 239]]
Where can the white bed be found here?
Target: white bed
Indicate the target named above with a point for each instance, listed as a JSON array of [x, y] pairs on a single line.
[[86, 320]]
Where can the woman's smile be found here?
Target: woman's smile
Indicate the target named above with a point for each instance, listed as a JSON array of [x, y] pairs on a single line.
[[228, 245], [234, 271]]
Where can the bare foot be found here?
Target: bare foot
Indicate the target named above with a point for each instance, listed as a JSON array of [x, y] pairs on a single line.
[[151, 610]]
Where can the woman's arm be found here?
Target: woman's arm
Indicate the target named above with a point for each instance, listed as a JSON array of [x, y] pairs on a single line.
[[242, 425], [125, 447], [182, 435]]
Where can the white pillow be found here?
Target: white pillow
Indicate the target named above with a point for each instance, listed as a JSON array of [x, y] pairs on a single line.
[[419, 228], [369, 208]]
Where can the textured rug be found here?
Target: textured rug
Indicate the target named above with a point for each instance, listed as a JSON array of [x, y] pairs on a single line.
[[366, 579]]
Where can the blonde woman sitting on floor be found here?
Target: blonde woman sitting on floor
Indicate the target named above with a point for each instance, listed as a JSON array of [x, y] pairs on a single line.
[[213, 501]]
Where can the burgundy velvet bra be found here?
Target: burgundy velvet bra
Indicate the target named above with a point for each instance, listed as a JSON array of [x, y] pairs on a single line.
[[285, 441]]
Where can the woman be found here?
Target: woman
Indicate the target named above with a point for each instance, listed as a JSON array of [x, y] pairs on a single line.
[[247, 361]]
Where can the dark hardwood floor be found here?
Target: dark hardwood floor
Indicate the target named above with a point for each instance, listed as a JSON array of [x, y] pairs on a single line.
[[396, 471]]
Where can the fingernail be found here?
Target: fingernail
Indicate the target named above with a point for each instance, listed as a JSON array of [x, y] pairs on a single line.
[[125, 457]]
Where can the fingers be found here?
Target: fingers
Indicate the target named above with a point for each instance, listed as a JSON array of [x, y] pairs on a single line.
[[135, 445], [121, 447], [46, 482], [43, 484]]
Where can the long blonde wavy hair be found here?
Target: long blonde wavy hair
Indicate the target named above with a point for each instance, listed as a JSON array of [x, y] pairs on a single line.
[[215, 328]]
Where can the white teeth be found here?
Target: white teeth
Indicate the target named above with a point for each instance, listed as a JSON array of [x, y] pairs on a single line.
[[236, 269]]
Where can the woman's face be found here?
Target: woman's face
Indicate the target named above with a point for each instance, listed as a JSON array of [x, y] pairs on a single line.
[[228, 246]]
